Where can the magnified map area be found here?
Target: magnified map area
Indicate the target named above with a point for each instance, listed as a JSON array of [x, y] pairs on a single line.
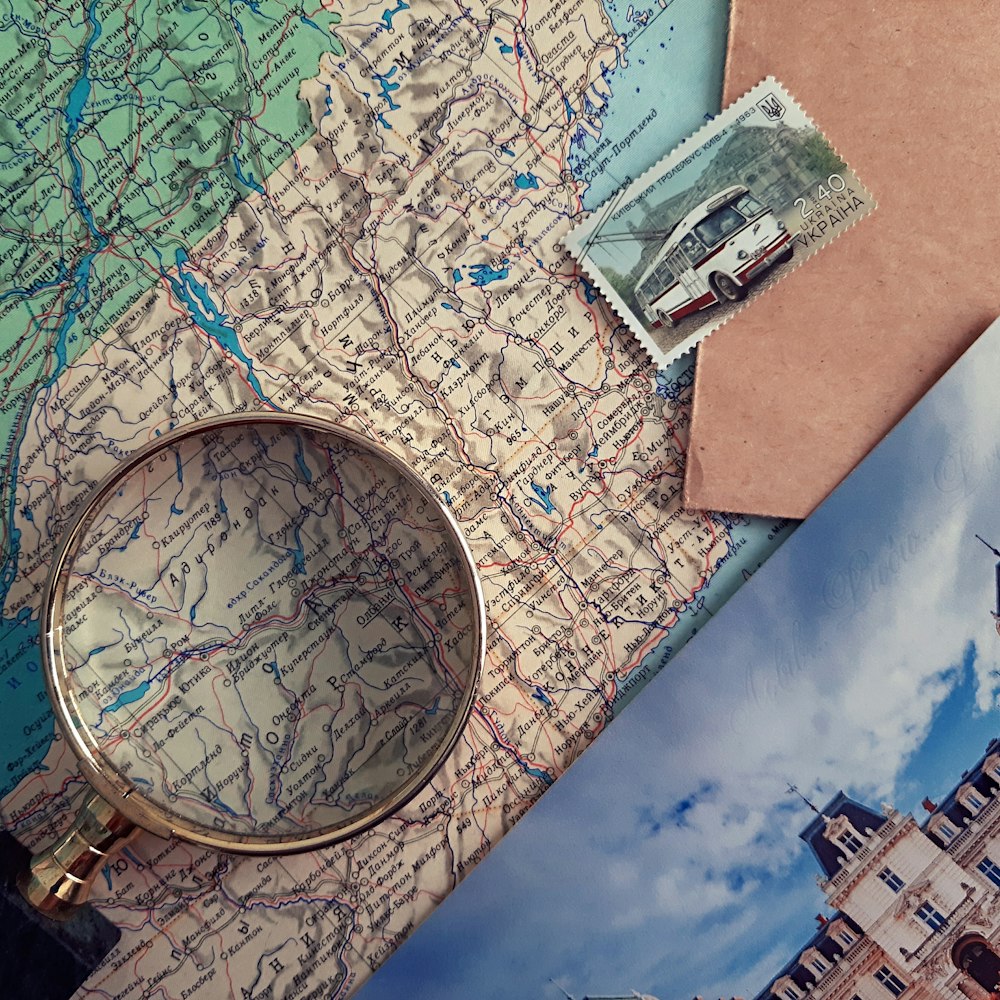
[[268, 632]]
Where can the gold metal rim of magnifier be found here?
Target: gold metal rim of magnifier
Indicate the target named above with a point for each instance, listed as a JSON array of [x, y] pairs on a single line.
[[123, 802]]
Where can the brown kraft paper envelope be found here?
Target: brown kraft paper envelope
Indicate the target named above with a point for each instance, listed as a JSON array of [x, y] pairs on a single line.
[[795, 390]]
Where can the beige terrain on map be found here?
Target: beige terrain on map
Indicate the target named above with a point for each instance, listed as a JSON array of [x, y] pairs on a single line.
[[340, 288]]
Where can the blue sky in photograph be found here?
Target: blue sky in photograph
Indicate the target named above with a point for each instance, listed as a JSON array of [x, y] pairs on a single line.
[[861, 657]]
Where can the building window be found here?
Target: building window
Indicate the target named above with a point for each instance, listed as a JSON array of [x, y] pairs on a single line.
[[990, 869], [819, 965], [787, 988], [846, 937], [946, 831], [973, 801], [934, 920], [850, 842], [891, 879], [890, 981]]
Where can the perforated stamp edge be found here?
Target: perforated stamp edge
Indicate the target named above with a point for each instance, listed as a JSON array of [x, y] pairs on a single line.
[[820, 218]]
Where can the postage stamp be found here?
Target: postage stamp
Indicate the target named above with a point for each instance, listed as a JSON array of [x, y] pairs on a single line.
[[752, 194]]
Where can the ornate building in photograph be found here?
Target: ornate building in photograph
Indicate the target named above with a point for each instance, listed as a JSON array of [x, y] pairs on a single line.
[[917, 904]]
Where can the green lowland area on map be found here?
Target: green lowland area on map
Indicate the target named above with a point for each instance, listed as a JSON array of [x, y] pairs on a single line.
[[127, 133]]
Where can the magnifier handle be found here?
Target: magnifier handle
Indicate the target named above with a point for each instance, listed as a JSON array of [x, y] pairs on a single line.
[[59, 879]]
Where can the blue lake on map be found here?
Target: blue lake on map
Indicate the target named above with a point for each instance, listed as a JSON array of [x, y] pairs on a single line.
[[483, 274], [127, 697], [390, 12], [387, 87], [207, 315], [247, 180], [542, 497]]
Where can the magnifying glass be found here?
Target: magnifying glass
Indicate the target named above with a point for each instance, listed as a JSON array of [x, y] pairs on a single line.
[[263, 634]]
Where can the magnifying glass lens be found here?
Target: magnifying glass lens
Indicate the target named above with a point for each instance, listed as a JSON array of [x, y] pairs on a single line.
[[266, 634]]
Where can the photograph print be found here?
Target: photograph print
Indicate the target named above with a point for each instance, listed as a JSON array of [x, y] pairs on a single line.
[[679, 250], [806, 804]]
